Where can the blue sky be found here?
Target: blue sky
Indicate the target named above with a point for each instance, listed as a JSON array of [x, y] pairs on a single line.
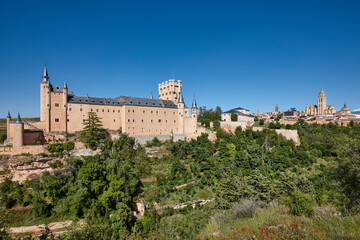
[[253, 54]]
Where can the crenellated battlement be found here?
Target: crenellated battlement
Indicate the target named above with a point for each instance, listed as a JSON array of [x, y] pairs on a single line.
[[170, 90]]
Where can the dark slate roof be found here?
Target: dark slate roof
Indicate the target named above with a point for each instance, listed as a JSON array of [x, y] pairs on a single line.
[[234, 110], [123, 100], [59, 89]]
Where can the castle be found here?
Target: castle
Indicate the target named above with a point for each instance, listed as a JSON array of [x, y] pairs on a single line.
[[62, 111], [321, 108]]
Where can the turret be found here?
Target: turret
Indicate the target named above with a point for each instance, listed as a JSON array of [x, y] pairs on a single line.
[[18, 132], [8, 119], [151, 96], [47, 106], [43, 91], [194, 109], [181, 103], [45, 77]]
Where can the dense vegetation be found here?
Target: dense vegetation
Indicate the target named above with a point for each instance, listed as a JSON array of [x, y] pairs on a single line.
[[263, 187]]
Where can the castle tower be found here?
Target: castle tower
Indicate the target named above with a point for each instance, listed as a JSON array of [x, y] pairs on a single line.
[[18, 133], [8, 119], [170, 90], [277, 108], [181, 106], [194, 109], [321, 102], [65, 102], [43, 84], [47, 106]]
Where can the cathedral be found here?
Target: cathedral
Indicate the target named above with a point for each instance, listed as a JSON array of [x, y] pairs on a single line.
[[321, 108]]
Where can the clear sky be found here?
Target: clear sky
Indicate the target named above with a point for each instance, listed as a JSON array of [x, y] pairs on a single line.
[[253, 54]]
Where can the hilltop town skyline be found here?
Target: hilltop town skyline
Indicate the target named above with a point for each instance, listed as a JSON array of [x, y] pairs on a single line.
[[252, 55]]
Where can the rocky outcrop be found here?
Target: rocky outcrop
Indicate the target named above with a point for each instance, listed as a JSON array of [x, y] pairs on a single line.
[[20, 168]]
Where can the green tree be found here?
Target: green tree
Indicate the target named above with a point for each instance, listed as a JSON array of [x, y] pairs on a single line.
[[234, 117], [93, 132]]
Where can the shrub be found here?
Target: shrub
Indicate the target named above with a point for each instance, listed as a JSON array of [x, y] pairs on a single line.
[[3, 137], [55, 147], [69, 146], [244, 208], [300, 203], [154, 143]]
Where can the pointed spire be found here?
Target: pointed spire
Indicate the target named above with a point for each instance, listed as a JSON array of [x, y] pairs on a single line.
[[65, 85], [45, 72], [18, 119], [181, 99], [45, 76], [48, 83], [9, 116], [194, 105], [151, 96]]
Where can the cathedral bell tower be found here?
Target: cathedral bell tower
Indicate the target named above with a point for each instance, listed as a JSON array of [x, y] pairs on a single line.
[[321, 102]]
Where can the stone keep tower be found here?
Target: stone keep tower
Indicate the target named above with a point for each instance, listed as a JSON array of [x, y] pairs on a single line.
[[170, 90], [321, 102]]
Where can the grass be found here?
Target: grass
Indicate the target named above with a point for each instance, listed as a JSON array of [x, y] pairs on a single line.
[[276, 223], [22, 217]]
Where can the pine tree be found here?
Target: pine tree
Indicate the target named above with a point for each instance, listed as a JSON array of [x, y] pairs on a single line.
[[93, 132]]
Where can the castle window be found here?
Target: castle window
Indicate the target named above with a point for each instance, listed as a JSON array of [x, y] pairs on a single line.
[[129, 110], [91, 109], [103, 110], [108, 110], [151, 120], [151, 111], [165, 120], [69, 109], [114, 120], [118, 111], [80, 109], [143, 111], [157, 112], [113, 111], [159, 120], [164, 112], [97, 110], [56, 104], [56, 120], [174, 121], [133, 120], [128, 120], [133, 111], [68, 120]]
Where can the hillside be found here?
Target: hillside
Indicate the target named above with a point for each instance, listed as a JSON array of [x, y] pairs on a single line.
[[246, 185]]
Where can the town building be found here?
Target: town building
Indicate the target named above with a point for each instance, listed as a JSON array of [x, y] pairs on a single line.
[[243, 115]]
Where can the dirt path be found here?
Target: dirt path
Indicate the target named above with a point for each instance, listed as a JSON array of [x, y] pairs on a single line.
[[54, 227]]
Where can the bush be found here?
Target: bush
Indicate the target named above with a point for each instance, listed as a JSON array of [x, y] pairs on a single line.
[[69, 146], [3, 137], [300, 204], [154, 143], [244, 208], [55, 148]]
